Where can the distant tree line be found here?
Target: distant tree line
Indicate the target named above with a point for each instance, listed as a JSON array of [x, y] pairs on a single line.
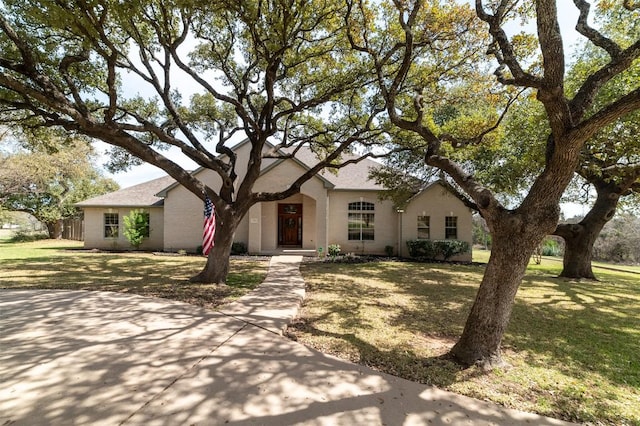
[[619, 241]]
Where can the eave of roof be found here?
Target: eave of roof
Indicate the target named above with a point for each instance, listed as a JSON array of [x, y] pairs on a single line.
[[431, 185], [141, 195], [353, 177]]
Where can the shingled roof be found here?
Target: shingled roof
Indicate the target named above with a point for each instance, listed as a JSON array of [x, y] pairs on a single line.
[[354, 176], [141, 195], [149, 194]]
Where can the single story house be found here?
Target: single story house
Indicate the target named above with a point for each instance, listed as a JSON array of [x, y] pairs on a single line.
[[340, 207]]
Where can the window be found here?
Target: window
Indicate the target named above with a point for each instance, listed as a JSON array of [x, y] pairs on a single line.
[[145, 224], [361, 221], [111, 225], [423, 228], [451, 227]]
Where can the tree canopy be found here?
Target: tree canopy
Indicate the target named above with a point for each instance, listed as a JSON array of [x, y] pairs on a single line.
[[524, 62], [146, 76], [46, 181]]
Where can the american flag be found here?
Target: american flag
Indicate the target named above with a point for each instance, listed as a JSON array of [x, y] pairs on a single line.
[[209, 226]]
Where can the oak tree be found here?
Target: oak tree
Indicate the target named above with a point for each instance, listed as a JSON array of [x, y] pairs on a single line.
[[610, 159], [206, 73], [47, 182], [516, 232]]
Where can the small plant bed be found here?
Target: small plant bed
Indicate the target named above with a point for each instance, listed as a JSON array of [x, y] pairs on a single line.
[[573, 346], [367, 258], [352, 258], [61, 264]]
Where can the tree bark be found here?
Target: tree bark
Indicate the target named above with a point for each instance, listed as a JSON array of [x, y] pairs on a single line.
[[54, 229], [514, 241], [217, 266], [580, 237], [578, 251]]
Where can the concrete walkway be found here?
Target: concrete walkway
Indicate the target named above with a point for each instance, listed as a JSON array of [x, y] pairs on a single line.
[[94, 358]]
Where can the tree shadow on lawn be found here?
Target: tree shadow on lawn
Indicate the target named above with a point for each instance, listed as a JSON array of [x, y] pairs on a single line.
[[143, 274], [571, 327], [399, 362], [432, 299], [422, 308], [583, 327]]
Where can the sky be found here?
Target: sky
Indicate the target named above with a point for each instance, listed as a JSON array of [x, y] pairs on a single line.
[[567, 14]]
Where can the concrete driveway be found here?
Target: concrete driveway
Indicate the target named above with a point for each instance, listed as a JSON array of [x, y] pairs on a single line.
[[93, 358]]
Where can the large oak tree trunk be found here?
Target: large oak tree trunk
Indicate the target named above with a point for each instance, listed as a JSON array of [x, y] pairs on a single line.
[[55, 229], [514, 241], [217, 266], [515, 235], [580, 237]]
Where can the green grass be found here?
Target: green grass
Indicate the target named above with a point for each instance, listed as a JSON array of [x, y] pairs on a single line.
[[482, 256], [573, 346], [60, 264]]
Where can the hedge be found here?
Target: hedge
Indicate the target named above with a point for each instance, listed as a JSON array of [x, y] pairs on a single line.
[[434, 249]]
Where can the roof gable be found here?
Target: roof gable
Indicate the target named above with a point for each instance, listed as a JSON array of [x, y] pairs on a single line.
[[354, 176], [141, 195], [430, 186]]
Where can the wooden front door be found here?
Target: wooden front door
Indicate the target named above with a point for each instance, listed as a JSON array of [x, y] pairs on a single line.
[[290, 225]]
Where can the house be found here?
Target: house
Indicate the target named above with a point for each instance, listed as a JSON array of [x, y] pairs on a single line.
[[340, 207]]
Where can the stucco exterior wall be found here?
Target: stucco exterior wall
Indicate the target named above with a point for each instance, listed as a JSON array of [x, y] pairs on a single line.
[[94, 229], [242, 232], [184, 215], [385, 223], [436, 202]]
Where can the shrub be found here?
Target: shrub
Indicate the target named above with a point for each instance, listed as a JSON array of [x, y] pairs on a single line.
[[333, 250], [551, 248], [136, 227], [421, 248], [449, 248], [432, 249], [27, 236], [388, 250], [238, 247]]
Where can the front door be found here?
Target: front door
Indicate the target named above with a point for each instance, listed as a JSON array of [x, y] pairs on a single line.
[[290, 225]]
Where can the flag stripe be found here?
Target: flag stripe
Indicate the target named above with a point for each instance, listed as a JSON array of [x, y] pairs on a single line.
[[209, 227]]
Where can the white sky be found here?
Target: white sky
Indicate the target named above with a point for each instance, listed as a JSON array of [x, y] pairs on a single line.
[[567, 16]]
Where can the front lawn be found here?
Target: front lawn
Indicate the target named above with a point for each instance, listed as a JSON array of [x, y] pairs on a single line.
[[61, 264], [573, 346]]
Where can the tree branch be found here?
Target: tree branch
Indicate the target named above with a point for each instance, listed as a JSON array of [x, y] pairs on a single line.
[[458, 143], [591, 33], [585, 96], [607, 115], [503, 50]]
